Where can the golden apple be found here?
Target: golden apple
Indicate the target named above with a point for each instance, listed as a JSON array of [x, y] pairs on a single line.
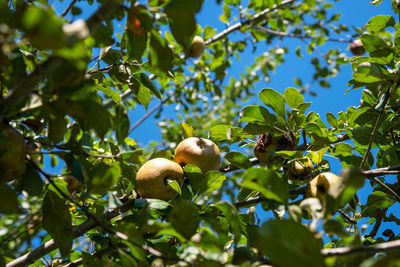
[[300, 170], [198, 151], [267, 144], [318, 187], [357, 48], [153, 175], [12, 153], [197, 47]]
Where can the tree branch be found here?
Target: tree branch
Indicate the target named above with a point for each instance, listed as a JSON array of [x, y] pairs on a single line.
[[65, 12], [343, 251], [254, 18], [285, 34]]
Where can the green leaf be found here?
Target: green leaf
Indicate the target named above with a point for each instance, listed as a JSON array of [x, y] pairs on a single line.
[[103, 177], [57, 222], [8, 199], [30, 182], [175, 185], [258, 114], [159, 53], [196, 178], [380, 22], [274, 100], [182, 22], [184, 218], [226, 133], [287, 243], [368, 73], [293, 97], [380, 200], [110, 93], [332, 120], [239, 160], [156, 204], [214, 180], [187, 130], [138, 24], [140, 91], [267, 182], [121, 123], [146, 81], [232, 214]]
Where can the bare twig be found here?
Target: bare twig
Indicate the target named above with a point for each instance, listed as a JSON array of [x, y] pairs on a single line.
[[65, 12], [285, 34], [377, 123], [347, 217], [391, 191], [378, 222], [254, 18]]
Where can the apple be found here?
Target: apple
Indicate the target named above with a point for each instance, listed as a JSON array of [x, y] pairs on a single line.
[[267, 144], [197, 47], [12, 153], [357, 48], [318, 187], [198, 151], [300, 169], [153, 175]]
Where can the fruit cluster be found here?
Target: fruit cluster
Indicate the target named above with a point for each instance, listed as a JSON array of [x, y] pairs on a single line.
[[154, 175]]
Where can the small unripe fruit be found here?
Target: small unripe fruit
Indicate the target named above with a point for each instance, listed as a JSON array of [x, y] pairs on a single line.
[[357, 48], [319, 186], [198, 151], [197, 47], [152, 178], [299, 170]]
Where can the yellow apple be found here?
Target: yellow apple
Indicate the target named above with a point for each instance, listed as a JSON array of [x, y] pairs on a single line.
[[357, 48], [73, 184], [197, 47], [300, 170], [153, 175], [267, 144], [318, 187], [198, 151]]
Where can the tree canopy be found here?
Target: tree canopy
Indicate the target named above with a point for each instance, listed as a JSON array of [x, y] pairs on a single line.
[[250, 185]]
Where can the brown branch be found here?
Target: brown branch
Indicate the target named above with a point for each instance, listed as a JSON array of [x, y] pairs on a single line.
[[391, 191], [347, 217], [65, 12], [382, 171], [378, 222], [254, 18], [344, 251], [292, 35], [377, 123]]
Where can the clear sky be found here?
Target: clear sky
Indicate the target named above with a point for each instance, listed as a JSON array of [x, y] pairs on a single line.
[[354, 13]]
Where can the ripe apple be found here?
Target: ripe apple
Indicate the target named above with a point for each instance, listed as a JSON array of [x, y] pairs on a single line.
[[197, 47], [300, 169], [357, 48], [267, 143], [318, 187], [198, 151], [12, 153], [73, 184], [153, 175]]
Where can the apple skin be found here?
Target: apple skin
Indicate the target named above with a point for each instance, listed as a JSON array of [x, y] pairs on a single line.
[[357, 48], [12, 153], [152, 178], [300, 170], [318, 187], [196, 48], [267, 143], [201, 152]]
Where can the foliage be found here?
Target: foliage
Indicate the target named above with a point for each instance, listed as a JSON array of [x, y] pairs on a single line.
[[67, 85]]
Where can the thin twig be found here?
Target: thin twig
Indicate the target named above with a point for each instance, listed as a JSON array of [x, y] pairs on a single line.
[[386, 187], [285, 34], [65, 12], [254, 18], [347, 217], [377, 123]]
